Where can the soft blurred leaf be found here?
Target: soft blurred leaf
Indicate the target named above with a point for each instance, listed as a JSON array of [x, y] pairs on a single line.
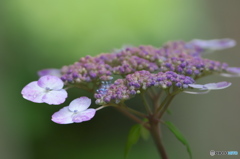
[[179, 136], [133, 137], [144, 132], [169, 112]]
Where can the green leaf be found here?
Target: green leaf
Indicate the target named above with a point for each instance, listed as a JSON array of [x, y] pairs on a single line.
[[144, 132], [179, 136], [133, 137], [169, 112]]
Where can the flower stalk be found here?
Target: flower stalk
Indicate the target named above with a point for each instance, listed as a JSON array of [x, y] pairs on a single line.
[[155, 132]]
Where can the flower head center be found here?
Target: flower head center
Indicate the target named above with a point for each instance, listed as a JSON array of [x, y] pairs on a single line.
[[47, 89]]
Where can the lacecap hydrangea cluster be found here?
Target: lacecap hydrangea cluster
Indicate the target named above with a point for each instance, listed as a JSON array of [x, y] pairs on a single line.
[[175, 65]]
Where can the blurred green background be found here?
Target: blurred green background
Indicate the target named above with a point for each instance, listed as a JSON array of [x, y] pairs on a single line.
[[51, 33]]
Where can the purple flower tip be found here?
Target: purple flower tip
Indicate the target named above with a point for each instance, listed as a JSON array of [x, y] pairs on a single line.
[[216, 44], [76, 112], [51, 71], [48, 89]]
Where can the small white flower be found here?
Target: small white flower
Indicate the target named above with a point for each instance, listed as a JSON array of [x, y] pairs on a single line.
[[76, 112], [48, 89]]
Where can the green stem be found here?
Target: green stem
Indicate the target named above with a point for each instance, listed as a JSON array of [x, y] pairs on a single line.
[[148, 109], [151, 93], [66, 88], [155, 92], [103, 106], [165, 107], [166, 100], [163, 103], [157, 101]]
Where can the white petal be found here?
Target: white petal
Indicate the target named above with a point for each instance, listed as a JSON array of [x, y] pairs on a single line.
[[55, 97], [84, 116], [63, 116], [33, 92], [80, 104]]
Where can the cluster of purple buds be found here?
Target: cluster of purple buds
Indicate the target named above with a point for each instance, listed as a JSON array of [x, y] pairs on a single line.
[[180, 57], [174, 65], [123, 89], [88, 69]]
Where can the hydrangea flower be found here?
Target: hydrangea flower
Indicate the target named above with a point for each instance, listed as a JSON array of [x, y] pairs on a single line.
[[48, 89], [156, 74], [76, 112]]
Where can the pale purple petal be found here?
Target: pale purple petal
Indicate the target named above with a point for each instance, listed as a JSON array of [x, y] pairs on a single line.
[[80, 104], [84, 116], [219, 85], [33, 92], [50, 82], [55, 97], [51, 71], [235, 70], [63, 116], [211, 86], [232, 72], [216, 44]]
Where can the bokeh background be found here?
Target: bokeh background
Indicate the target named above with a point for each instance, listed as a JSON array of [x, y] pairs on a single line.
[[51, 33]]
